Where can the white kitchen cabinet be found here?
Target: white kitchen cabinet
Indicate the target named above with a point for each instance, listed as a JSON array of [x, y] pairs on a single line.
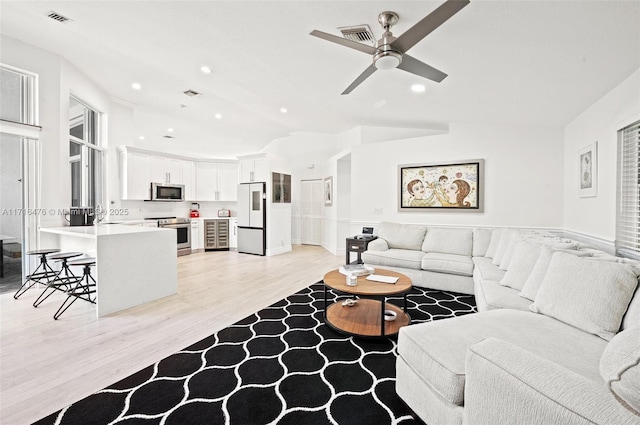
[[189, 180], [134, 176], [197, 234], [254, 170], [233, 232], [216, 181], [165, 170], [227, 182]]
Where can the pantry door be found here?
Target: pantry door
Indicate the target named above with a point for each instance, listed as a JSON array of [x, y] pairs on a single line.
[[312, 209]]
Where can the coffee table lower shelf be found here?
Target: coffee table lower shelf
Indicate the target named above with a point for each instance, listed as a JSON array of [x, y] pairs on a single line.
[[365, 319]]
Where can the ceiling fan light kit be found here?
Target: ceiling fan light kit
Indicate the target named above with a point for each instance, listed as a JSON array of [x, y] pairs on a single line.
[[387, 60], [390, 52]]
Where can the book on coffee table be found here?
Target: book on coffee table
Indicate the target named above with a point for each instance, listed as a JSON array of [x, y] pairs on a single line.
[[356, 270]]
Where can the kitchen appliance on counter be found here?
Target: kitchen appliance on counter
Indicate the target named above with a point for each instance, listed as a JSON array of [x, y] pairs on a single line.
[[80, 216], [183, 231], [167, 192], [195, 210], [224, 213], [252, 218]]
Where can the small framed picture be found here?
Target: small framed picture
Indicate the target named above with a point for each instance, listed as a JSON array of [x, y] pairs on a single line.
[[328, 191], [588, 158]]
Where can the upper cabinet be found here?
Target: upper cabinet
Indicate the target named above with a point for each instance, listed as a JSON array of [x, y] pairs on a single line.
[[134, 175], [216, 181], [254, 169], [203, 180], [166, 170]]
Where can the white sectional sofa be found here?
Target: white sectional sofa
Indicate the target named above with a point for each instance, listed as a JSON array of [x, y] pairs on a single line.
[[556, 339]]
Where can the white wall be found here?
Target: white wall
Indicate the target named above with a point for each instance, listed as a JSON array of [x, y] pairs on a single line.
[[57, 81], [522, 181], [596, 216]]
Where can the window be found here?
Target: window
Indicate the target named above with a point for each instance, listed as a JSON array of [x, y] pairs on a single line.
[[18, 94], [628, 193], [85, 155]]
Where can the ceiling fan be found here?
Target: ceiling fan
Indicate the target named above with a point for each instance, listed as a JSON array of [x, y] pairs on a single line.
[[390, 52]]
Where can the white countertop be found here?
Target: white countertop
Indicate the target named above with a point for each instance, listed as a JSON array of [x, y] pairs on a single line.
[[100, 230]]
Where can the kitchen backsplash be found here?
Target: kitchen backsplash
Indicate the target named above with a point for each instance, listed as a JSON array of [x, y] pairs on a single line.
[[140, 209]]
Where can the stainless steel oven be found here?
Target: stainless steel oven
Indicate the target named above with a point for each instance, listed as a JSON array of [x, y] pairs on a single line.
[[183, 231]]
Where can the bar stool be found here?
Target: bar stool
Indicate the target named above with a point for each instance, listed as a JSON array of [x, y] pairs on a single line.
[[59, 281], [43, 271], [84, 287]]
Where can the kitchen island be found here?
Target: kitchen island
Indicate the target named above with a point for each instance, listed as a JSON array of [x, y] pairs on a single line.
[[134, 264]]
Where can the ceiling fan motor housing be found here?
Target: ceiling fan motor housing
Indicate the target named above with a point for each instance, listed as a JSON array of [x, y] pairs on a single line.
[[387, 56]]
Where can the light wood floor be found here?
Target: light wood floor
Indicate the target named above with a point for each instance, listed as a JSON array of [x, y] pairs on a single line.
[[46, 364]]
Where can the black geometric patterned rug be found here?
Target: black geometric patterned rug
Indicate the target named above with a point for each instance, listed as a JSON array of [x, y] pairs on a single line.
[[281, 365]]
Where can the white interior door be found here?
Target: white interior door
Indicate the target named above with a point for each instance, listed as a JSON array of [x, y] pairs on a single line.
[[311, 197]]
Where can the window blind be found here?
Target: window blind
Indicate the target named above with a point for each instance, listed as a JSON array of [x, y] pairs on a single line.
[[628, 192]]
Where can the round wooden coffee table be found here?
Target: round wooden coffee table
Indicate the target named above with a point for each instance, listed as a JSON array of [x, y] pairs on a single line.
[[366, 317]]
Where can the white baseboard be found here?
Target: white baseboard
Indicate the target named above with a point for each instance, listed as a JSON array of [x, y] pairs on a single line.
[[278, 251]]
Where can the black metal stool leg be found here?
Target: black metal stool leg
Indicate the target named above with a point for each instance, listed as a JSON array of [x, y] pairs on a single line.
[[57, 282], [79, 291], [43, 271]]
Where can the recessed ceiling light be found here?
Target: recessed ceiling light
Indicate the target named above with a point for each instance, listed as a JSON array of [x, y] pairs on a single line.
[[205, 70], [283, 110], [141, 137], [218, 116], [136, 86], [170, 130], [418, 88]]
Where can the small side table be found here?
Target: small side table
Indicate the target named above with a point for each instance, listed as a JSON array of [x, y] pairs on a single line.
[[358, 245]]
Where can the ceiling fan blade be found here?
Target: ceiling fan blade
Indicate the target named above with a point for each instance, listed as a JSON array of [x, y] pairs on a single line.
[[414, 66], [429, 23], [344, 42], [367, 72]]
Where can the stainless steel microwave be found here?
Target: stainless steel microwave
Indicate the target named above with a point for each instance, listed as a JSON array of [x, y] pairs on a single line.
[[167, 192]]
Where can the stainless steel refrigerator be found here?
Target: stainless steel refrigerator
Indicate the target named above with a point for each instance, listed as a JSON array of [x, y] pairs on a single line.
[[252, 218]]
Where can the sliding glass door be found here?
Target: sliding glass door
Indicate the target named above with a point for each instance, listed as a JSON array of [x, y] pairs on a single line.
[[19, 174]]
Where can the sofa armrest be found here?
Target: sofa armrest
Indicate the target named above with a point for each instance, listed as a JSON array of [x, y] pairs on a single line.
[[378, 245], [508, 384]]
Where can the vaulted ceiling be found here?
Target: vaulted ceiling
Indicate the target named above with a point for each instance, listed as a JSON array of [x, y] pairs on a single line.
[[508, 62]]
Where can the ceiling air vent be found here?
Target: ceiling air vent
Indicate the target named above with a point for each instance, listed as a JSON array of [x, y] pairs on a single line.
[[58, 17], [191, 93], [359, 33]]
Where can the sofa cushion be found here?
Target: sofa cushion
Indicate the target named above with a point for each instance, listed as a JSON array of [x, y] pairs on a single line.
[[493, 243], [437, 350], [490, 295], [505, 238], [481, 241], [406, 258], [402, 236], [620, 368], [448, 241], [631, 318], [590, 295], [525, 255], [533, 282], [486, 270], [508, 253], [447, 263]]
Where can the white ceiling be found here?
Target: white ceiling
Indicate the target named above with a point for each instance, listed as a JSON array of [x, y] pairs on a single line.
[[509, 62]]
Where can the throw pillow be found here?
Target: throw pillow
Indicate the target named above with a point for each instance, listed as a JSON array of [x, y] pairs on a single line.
[[493, 243], [620, 368], [589, 295], [505, 237], [524, 258], [506, 257], [539, 270]]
